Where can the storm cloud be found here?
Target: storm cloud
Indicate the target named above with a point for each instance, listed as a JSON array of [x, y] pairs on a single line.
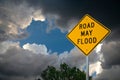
[[19, 14], [111, 54], [107, 12]]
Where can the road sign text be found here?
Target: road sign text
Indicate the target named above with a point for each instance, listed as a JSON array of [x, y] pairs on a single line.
[[87, 40], [86, 29], [87, 25]]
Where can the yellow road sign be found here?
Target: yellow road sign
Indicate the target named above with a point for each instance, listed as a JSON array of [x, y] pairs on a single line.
[[87, 34]]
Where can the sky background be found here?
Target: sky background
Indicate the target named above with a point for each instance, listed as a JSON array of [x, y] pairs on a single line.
[[33, 36]]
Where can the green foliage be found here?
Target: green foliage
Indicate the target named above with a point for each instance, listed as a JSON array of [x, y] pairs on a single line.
[[64, 73]]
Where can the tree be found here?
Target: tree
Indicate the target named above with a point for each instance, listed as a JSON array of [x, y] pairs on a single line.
[[64, 73]]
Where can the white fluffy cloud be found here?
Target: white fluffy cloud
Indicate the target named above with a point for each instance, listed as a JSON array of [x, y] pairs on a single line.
[[32, 59], [39, 49], [16, 62], [4, 46], [95, 67]]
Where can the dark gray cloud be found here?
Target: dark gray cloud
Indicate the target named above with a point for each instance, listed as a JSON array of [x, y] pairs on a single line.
[[114, 35], [65, 13], [110, 74], [111, 54], [110, 61], [106, 12]]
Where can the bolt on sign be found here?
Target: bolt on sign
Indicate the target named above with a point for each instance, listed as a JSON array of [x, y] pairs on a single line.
[[87, 34]]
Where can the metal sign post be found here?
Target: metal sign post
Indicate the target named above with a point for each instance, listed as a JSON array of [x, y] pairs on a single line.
[[87, 67]]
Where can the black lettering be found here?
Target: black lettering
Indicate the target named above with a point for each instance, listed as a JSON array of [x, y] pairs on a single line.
[[87, 33], [90, 40], [84, 26], [88, 26], [90, 32], [80, 26], [82, 33], [79, 41], [82, 41], [92, 24], [85, 40], [94, 39]]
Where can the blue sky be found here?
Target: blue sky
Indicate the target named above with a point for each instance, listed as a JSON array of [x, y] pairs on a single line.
[[55, 40]]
